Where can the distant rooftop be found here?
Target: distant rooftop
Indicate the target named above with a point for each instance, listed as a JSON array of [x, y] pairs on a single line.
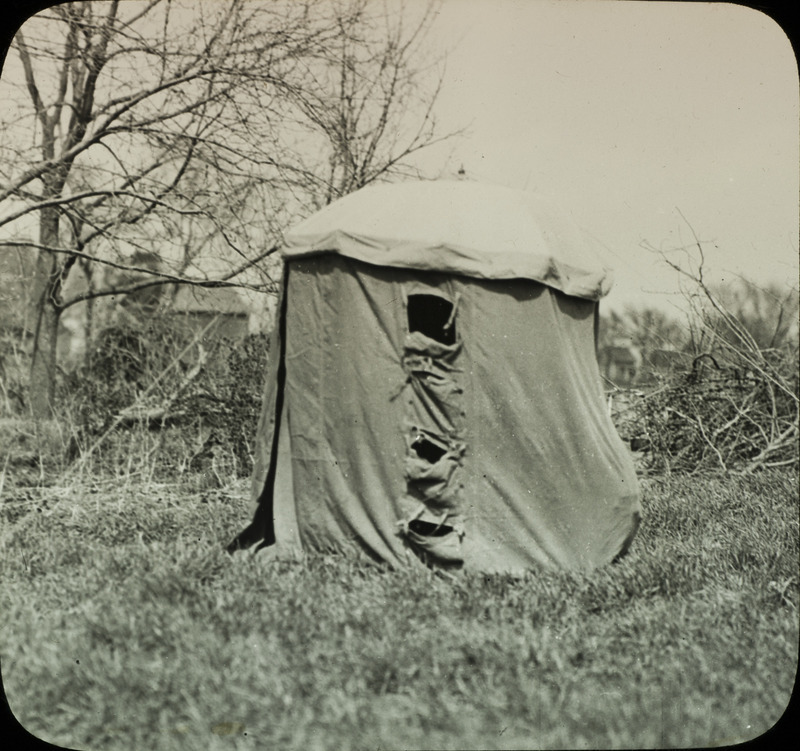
[[192, 299]]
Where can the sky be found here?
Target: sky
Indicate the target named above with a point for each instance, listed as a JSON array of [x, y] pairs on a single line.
[[648, 122]]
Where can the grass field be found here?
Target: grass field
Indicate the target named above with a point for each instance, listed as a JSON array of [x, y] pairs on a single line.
[[125, 626]]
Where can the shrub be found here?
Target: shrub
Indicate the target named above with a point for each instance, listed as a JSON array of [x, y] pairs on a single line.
[[157, 400], [240, 392], [716, 419], [736, 408]]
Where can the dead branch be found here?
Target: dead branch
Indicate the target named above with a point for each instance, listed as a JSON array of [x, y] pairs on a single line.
[[158, 415]]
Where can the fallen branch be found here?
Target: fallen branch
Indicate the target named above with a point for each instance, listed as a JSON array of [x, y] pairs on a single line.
[[160, 415]]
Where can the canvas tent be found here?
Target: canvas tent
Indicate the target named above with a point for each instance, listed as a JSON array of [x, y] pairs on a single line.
[[433, 392]]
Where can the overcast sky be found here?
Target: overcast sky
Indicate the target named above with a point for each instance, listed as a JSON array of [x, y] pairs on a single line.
[[645, 120], [631, 114]]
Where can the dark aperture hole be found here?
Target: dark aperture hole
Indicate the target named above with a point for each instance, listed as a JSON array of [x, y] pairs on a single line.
[[427, 450], [429, 529], [430, 314]]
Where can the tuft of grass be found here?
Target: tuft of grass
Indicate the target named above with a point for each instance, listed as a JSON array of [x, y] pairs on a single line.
[[31, 451], [126, 626]]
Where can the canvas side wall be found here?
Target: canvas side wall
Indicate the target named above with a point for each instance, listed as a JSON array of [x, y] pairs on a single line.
[[344, 384], [547, 478], [261, 530], [448, 419]]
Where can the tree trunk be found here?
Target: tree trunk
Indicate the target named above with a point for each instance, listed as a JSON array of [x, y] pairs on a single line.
[[43, 364], [46, 313]]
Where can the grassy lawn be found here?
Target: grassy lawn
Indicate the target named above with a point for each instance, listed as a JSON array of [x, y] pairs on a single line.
[[125, 626]]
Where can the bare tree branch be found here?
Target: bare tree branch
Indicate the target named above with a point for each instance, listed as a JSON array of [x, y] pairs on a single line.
[[197, 138]]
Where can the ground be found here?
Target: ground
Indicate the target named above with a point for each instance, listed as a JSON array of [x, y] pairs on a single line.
[[125, 625]]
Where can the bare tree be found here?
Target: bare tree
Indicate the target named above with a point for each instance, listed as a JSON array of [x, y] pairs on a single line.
[[352, 98], [766, 315], [648, 329], [186, 129]]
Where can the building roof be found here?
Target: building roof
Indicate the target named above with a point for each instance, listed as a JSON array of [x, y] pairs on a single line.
[[223, 300], [618, 354]]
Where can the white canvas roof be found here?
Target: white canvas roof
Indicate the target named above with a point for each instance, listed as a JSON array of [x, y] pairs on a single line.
[[461, 227]]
